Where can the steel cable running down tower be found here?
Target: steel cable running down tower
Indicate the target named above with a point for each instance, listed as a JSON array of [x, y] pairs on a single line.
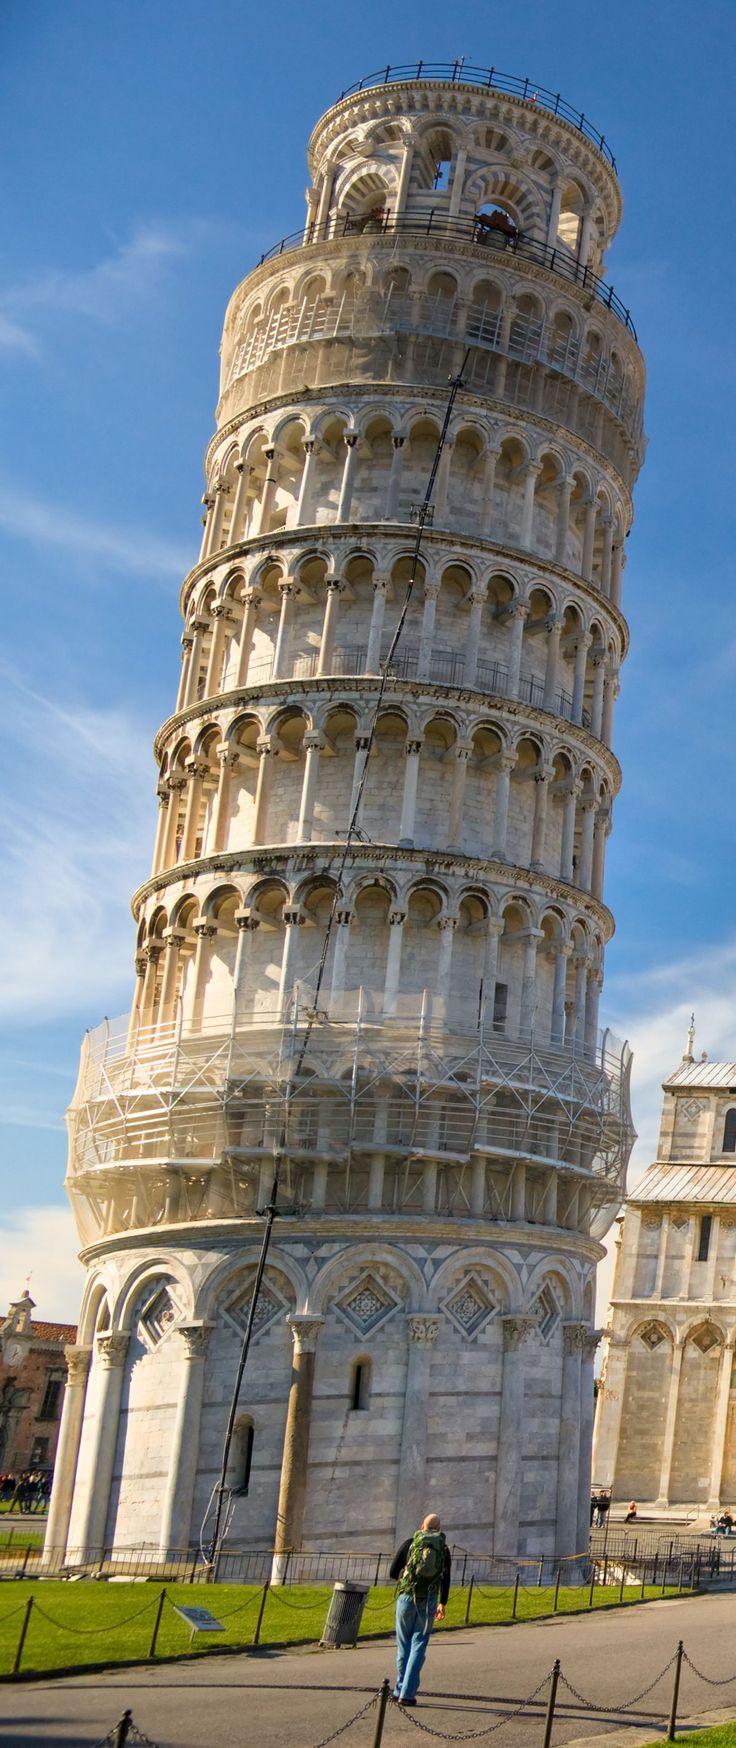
[[222, 1497]]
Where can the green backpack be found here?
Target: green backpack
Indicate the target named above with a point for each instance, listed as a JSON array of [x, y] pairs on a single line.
[[425, 1564]]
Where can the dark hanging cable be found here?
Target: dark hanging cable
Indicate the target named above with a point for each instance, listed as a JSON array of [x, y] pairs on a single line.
[[270, 1211]]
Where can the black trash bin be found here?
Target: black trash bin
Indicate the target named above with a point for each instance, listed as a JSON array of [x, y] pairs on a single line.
[[344, 1614]]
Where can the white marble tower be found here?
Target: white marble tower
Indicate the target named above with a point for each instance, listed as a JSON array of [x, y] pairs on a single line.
[[458, 1139]]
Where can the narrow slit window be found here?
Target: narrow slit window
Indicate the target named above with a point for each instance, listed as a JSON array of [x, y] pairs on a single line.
[[729, 1133], [704, 1237], [360, 1385]]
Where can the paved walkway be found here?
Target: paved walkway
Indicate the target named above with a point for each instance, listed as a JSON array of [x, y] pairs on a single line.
[[296, 1699]]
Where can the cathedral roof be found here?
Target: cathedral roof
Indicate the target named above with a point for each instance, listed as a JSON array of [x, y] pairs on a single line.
[[703, 1073], [709, 1184]]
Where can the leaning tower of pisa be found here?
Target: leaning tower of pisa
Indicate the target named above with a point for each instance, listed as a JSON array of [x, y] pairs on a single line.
[[456, 1138]]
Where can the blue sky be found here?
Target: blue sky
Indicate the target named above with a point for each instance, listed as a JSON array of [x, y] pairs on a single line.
[[152, 150]]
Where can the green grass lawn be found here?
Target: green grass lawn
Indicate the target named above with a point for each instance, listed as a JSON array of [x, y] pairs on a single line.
[[74, 1625], [721, 1736]]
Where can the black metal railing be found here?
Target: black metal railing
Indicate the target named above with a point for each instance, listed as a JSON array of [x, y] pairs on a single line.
[[461, 73], [468, 229]]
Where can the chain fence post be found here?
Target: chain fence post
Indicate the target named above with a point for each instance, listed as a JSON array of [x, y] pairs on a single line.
[[122, 1729], [643, 1579], [550, 1718], [675, 1692], [470, 1597], [383, 1698], [557, 1589], [378, 1571], [257, 1633], [623, 1579], [516, 1598], [664, 1574], [540, 1573], [22, 1639], [157, 1622], [592, 1586]]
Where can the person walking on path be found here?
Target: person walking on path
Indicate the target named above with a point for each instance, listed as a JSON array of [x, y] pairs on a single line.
[[422, 1565]]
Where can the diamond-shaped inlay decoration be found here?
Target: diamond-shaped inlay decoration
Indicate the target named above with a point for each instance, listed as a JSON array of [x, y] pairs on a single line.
[[652, 1336], [470, 1307], [271, 1304], [681, 1222], [547, 1312], [692, 1109], [705, 1339], [366, 1304], [157, 1317]]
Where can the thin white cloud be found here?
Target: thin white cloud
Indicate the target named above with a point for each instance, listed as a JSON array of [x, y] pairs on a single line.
[[106, 292], [79, 825], [43, 1243], [14, 338], [131, 550]]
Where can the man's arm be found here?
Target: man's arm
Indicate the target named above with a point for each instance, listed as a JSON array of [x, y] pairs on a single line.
[[399, 1560]]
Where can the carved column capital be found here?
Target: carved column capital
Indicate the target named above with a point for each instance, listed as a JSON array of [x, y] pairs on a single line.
[[423, 1328], [305, 1331], [78, 1361], [195, 1337], [515, 1332], [112, 1347], [574, 1336]]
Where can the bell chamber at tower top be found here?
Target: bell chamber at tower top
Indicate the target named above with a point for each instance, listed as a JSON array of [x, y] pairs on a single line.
[[446, 215]]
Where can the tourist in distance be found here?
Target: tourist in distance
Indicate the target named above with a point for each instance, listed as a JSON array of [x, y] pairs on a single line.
[[631, 1513], [422, 1566]]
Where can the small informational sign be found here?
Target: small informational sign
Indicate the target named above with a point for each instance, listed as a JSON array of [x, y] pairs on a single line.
[[199, 1619]]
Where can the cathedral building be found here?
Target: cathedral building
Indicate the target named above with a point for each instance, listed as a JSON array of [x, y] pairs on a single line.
[[385, 791], [666, 1417]]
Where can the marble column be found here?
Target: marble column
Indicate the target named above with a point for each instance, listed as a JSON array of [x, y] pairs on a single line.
[[314, 744], [407, 159], [554, 215], [198, 628], [586, 567], [458, 180], [67, 1453], [170, 853], [197, 770], [718, 1442], [343, 920], [489, 483], [176, 1514], [394, 480], [409, 801], [668, 1444], [561, 954], [463, 750], [267, 748], [229, 762], [396, 919], [610, 694], [578, 684], [186, 656], [600, 833], [426, 635], [447, 926], [305, 1331], [609, 1411], [518, 617], [563, 521], [527, 509], [554, 634], [411, 1505], [584, 872], [529, 983], [568, 1452], [205, 932], [333, 592], [494, 931], [516, 1331], [221, 620], [268, 494], [161, 825], [505, 766], [348, 478], [215, 520], [591, 1339], [606, 556], [362, 745], [286, 591], [476, 603], [110, 1354], [152, 954], [251, 604], [375, 631], [173, 942], [443, 484], [303, 506], [542, 782], [237, 524], [571, 794], [294, 918]]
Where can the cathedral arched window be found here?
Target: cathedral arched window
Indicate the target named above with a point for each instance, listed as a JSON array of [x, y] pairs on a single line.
[[729, 1133]]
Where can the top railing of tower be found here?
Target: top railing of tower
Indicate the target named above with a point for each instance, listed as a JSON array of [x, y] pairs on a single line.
[[463, 229], [460, 73]]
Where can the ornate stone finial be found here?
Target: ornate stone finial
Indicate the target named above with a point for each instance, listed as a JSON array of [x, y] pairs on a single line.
[[688, 1055]]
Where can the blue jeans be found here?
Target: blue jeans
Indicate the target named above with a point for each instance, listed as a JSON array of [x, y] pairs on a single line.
[[413, 1626]]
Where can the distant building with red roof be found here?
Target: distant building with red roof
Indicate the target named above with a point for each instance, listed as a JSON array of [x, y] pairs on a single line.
[[32, 1379]]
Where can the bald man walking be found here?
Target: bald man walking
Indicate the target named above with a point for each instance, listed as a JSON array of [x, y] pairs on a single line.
[[422, 1566]]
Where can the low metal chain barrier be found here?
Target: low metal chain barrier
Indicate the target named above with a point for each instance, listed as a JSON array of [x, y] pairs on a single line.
[[488, 1729]]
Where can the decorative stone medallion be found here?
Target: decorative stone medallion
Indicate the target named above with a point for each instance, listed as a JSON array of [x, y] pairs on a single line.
[[470, 1307], [546, 1312], [652, 1336], [692, 1109], [271, 1304], [366, 1305], [706, 1339], [157, 1317]]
